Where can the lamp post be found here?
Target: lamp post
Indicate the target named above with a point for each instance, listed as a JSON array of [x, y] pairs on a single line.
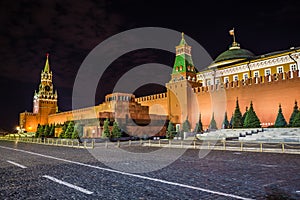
[[20, 129]]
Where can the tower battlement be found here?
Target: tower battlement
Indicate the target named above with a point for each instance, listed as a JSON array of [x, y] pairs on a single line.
[[151, 97]]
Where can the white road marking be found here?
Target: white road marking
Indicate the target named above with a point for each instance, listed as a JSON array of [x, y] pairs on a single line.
[[68, 184], [133, 175], [16, 164]]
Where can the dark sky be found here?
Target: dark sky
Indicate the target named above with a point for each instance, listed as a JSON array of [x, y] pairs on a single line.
[[70, 29]]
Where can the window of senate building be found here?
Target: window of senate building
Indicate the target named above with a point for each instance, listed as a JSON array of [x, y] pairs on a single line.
[[226, 79], [208, 82], [293, 67], [279, 69], [235, 78], [267, 72]]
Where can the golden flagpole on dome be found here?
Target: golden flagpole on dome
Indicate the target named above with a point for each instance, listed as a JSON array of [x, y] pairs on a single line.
[[231, 32]]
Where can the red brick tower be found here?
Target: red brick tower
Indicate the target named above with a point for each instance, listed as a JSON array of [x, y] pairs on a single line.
[[181, 99], [45, 100]]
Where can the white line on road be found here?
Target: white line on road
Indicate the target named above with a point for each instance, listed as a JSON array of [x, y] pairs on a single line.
[[132, 175], [16, 164], [68, 184]]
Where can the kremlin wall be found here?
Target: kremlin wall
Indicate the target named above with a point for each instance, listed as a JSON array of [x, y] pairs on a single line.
[[266, 80]]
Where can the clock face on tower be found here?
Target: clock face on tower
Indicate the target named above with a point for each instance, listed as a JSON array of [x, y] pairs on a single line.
[[47, 88]]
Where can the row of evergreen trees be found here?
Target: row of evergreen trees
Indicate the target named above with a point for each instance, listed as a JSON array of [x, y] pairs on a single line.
[[73, 131], [238, 120], [114, 133], [294, 119], [248, 120], [69, 130], [45, 130], [186, 127]]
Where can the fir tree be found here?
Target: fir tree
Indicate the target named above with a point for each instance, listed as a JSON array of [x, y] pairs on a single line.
[[186, 127], [46, 130], [296, 121], [237, 117], [61, 135], [106, 132], [75, 133], [199, 126], [244, 115], [280, 120], [295, 111], [251, 119], [170, 130], [69, 130], [52, 130], [231, 121], [80, 130], [116, 131], [225, 123], [63, 131], [39, 130], [213, 124]]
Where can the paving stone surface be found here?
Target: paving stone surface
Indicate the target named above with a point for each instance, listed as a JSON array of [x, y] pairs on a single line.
[[244, 174]]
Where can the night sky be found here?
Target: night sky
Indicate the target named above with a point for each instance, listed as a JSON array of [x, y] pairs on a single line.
[[70, 29]]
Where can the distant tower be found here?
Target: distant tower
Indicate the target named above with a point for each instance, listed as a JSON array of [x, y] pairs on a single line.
[[179, 89], [45, 100]]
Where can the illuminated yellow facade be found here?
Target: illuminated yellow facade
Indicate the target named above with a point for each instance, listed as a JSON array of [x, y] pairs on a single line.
[[238, 64]]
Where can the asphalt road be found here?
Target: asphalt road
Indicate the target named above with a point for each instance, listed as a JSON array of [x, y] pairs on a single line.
[[33, 171]]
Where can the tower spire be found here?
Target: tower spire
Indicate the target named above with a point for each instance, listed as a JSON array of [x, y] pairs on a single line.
[[182, 42], [47, 66]]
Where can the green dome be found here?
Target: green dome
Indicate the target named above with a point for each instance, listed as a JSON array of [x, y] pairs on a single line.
[[233, 54]]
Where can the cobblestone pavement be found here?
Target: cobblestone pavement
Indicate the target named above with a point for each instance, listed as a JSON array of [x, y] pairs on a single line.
[[222, 173]]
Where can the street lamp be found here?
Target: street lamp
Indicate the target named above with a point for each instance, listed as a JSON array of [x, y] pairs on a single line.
[[20, 129]]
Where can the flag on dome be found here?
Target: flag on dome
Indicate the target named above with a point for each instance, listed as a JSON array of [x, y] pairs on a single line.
[[231, 32]]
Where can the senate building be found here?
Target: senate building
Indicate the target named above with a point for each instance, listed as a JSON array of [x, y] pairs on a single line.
[[236, 74]]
